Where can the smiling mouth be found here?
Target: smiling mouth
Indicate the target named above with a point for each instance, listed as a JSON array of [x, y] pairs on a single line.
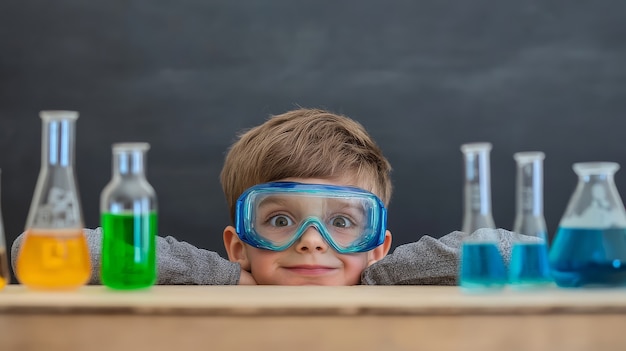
[[310, 270]]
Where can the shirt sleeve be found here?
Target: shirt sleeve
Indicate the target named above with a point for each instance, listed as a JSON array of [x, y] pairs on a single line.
[[431, 261], [178, 262]]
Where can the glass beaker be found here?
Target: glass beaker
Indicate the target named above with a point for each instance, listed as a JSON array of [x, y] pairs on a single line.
[[482, 266], [529, 267], [5, 276], [589, 248], [128, 207], [54, 253]]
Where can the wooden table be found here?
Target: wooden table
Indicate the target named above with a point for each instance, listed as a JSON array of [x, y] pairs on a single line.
[[311, 318]]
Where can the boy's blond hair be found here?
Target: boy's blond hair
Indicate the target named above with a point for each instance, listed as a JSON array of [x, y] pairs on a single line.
[[304, 143]]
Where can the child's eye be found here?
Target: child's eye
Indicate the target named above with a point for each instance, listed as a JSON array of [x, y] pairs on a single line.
[[280, 221], [341, 222]]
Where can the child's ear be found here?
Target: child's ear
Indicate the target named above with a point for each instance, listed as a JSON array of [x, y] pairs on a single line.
[[381, 251], [235, 248]]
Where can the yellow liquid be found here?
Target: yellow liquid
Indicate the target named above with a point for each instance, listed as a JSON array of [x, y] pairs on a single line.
[[53, 260], [4, 269]]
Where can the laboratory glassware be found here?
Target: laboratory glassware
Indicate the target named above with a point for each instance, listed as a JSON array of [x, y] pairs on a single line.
[[589, 248], [476, 187], [529, 267], [128, 207], [5, 276], [482, 266], [54, 253]]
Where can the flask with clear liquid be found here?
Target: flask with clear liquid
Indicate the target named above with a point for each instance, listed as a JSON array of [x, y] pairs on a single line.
[[529, 267], [482, 266], [5, 276], [589, 248], [128, 208], [54, 253]]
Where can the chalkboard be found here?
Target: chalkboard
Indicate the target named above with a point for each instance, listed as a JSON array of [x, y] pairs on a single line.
[[423, 76]]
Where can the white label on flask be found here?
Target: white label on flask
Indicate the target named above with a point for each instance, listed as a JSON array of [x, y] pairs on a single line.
[[599, 214], [58, 211]]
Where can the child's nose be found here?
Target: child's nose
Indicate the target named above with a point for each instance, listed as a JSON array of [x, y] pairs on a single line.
[[311, 241]]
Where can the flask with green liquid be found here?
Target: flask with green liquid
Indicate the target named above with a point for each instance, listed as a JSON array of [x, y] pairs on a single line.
[[128, 209]]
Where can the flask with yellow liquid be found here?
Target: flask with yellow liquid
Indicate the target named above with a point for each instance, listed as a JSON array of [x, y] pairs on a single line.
[[54, 253]]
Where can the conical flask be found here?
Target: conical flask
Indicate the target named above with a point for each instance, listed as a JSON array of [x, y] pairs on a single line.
[[54, 253], [128, 210], [589, 248], [529, 266], [482, 266], [5, 276]]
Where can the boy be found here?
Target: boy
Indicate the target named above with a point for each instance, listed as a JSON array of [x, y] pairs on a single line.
[[307, 192], [310, 147]]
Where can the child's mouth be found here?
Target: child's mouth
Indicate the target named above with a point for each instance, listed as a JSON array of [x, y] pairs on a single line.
[[310, 269]]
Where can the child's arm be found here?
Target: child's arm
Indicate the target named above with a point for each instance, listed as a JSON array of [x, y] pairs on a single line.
[[178, 262], [430, 261]]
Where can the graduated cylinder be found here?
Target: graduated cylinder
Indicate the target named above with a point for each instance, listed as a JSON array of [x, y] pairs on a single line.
[[128, 208]]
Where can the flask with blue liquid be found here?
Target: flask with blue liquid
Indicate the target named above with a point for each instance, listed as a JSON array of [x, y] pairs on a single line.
[[589, 248], [529, 267], [482, 267]]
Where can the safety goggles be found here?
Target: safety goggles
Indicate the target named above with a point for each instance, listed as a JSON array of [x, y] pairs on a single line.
[[274, 216]]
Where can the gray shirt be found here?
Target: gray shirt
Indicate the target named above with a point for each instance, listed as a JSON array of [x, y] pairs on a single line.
[[428, 261]]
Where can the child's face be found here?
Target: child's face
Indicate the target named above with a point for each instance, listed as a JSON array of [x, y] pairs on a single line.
[[310, 260]]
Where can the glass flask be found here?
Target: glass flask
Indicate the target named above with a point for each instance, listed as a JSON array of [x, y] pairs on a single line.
[[476, 187], [589, 248], [482, 266], [529, 267], [54, 254], [128, 209], [5, 276]]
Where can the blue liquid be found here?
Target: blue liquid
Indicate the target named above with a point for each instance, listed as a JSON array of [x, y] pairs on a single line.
[[482, 267], [593, 257], [529, 265]]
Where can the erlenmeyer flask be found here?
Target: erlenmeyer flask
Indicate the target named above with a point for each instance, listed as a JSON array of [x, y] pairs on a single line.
[[5, 276], [54, 253], [128, 209], [529, 266], [482, 266], [590, 245]]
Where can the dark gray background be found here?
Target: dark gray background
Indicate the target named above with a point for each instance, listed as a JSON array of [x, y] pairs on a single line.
[[423, 76]]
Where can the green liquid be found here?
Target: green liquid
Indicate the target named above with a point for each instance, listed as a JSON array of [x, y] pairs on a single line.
[[128, 250]]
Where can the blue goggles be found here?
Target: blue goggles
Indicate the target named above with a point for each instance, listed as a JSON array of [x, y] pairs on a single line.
[[273, 216]]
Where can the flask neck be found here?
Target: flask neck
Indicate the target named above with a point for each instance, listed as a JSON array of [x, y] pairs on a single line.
[[586, 170], [596, 178], [529, 189], [477, 182], [129, 163], [57, 141], [477, 187]]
